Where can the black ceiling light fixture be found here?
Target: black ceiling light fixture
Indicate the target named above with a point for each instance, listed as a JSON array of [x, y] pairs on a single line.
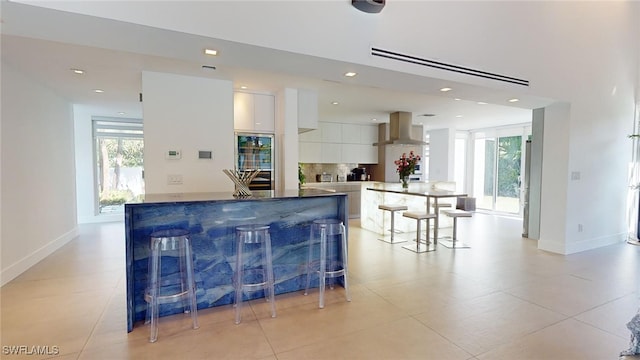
[[368, 6]]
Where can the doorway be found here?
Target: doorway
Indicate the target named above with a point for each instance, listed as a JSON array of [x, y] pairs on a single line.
[[498, 170], [118, 154]]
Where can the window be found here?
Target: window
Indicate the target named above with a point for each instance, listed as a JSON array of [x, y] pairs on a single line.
[[119, 149]]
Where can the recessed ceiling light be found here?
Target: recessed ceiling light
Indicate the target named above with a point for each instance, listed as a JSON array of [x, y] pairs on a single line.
[[456, 99], [482, 103], [243, 87], [78, 71], [350, 74], [458, 116], [514, 100], [98, 90], [211, 52], [121, 113], [334, 103], [374, 119], [445, 89]]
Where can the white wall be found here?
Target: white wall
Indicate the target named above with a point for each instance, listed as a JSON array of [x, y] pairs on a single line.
[[38, 175], [188, 114], [442, 143], [85, 179], [287, 138]]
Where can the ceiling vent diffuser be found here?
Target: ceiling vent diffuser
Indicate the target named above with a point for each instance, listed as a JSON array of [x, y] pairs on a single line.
[[448, 67]]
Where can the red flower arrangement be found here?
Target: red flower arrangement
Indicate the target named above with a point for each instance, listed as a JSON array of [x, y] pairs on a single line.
[[406, 165]]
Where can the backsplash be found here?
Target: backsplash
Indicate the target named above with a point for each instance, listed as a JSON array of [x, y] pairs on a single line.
[[310, 170]]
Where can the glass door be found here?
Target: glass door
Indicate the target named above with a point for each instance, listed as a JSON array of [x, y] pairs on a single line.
[[497, 173], [119, 148]]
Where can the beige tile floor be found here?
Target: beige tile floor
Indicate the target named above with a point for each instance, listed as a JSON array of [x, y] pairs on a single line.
[[501, 299]]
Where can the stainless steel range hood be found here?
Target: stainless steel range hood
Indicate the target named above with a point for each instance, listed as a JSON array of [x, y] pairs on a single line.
[[400, 126]]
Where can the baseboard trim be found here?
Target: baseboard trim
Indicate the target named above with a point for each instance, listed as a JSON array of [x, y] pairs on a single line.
[[100, 218], [22, 265], [584, 245]]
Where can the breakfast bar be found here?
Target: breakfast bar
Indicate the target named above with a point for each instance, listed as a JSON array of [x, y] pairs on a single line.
[[379, 193], [211, 219]]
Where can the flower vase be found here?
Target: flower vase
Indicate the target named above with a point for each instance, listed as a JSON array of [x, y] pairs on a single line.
[[405, 182]]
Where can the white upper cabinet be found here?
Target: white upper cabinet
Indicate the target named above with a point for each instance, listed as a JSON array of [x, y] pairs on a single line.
[[243, 111], [351, 133], [331, 153], [311, 136], [331, 132], [307, 110], [264, 111], [253, 112], [339, 143], [368, 134], [310, 152]]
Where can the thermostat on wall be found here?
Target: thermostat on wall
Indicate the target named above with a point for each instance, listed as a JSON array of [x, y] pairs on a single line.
[[173, 155]]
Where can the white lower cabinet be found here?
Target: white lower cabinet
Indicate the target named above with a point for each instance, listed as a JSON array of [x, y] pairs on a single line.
[[352, 189]]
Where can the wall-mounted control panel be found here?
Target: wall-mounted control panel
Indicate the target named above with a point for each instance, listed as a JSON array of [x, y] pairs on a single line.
[[205, 154], [173, 155]]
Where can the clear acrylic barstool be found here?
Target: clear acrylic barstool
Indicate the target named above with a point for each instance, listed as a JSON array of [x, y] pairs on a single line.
[[254, 266], [169, 288], [331, 263]]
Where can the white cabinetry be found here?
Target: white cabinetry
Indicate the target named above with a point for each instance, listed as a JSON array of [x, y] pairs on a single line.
[[339, 143], [331, 153], [253, 112], [310, 152], [351, 133], [331, 132], [307, 110], [368, 152]]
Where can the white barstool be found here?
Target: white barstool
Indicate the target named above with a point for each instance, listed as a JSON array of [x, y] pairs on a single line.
[[428, 245], [455, 214], [168, 288], [253, 242], [392, 209], [331, 264]]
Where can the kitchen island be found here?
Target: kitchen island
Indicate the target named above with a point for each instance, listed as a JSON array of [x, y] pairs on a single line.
[[417, 198], [211, 219]]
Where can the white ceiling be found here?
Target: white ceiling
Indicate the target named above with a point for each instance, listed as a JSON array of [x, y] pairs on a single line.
[[114, 54]]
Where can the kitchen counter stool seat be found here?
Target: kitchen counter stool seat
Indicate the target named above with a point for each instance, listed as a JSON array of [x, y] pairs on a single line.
[[428, 245], [162, 288], [331, 263], [254, 266], [392, 209], [455, 214]]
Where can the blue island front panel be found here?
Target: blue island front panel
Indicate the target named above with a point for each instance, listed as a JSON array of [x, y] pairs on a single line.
[[212, 227]]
